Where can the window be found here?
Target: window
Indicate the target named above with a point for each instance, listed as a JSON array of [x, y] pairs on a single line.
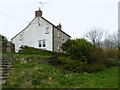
[[21, 36], [47, 30], [42, 43], [62, 37], [58, 45], [58, 34]]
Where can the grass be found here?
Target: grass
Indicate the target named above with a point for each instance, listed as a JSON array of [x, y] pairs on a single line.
[[27, 72], [32, 69]]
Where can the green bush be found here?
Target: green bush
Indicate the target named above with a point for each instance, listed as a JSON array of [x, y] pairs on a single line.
[[79, 49], [72, 65], [55, 61], [99, 55], [109, 62], [111, 53], [94, 67]]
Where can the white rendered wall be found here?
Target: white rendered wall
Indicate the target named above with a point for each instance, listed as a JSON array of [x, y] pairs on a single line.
[[33, 33]]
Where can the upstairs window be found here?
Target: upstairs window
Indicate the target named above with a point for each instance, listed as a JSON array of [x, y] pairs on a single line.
[[47, 30], [62, 37], [42, 43], [58, 34]]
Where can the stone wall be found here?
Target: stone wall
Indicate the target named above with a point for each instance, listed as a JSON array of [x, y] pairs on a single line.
[[6, 46], [59, 37]]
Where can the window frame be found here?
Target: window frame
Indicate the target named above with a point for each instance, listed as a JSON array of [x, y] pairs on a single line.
[[62, 36], [47, 29], [21, 37], [42, 43], [58, 34]]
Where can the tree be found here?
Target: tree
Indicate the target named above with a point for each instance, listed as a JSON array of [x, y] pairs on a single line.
[[111, 41], [79, 49], [119, 39], [66, 46], [95, 35]]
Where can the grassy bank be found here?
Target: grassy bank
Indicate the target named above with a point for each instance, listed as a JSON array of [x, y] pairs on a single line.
[[33, 71]]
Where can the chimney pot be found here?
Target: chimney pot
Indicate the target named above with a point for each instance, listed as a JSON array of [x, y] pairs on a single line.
[[38, 13], [59, 26]]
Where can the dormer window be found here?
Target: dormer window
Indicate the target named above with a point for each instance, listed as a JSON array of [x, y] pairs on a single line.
[[47, 30]]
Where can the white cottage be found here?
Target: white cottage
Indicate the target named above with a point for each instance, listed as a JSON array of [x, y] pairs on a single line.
[[40, 33]]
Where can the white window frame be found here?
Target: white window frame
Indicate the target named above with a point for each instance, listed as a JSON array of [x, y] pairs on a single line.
[[42, 43], [62, 36], [58, 34], [58, 47], [21, 37], [47, 29]]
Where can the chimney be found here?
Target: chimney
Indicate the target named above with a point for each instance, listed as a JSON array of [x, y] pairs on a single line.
[[59, 26], [38, 13]]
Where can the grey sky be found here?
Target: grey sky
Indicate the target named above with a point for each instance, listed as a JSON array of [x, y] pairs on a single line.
[[76, 17]]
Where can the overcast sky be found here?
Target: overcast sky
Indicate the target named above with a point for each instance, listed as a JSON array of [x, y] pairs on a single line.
[[76, 17]]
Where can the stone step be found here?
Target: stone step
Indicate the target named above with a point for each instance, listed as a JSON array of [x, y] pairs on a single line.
[[6, 71], [3, 77], [6, 75], [3, 69], [6, 60], [6, 66]]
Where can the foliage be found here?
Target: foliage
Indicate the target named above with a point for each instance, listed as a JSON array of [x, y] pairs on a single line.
[[31, 50], [3, 38], [79, 49], [34, 75], [109, 62], [95, 67], [102, 59], [67, 45], [72, 65], [55, 61], [99, 55], [111, 53], [111, 57]]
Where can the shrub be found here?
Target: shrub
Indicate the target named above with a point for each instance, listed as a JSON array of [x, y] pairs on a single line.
[[94, 67], [109, 62], [79, 49], [112, 53], [72, 65], [55, 61], [98, 55]]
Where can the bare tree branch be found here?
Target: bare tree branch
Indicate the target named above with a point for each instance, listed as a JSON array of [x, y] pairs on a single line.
[[95, 35]]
